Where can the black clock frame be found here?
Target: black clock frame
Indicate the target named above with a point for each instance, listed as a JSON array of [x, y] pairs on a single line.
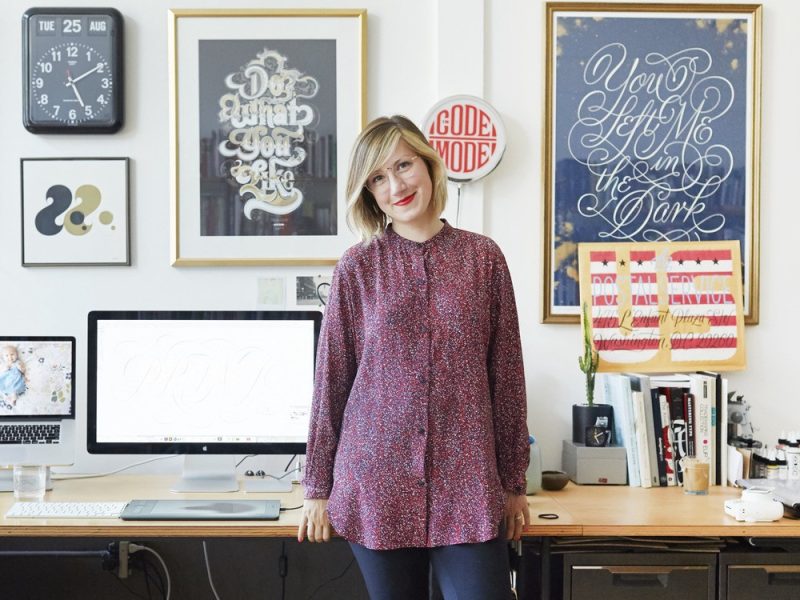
[[116, 62]]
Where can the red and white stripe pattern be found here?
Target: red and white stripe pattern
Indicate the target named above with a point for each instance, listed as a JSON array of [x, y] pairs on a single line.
[[697, 284], [635, 339]]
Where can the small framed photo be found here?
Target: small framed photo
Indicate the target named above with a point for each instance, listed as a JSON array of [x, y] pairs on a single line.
[[75, 212]]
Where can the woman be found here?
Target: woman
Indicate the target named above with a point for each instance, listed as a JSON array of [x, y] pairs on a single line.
[[418, 442]]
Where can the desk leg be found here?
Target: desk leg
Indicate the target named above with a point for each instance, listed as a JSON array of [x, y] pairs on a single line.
[[545, 566]]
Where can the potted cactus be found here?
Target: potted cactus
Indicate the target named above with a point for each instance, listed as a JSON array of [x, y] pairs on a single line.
[[589, 417]]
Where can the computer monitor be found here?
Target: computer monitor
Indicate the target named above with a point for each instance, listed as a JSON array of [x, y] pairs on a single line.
[[207, 384], [37, 402]]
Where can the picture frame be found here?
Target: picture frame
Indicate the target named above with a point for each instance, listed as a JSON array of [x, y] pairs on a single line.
[[265, 106], [652, 133], [75, 211], [656, 307]]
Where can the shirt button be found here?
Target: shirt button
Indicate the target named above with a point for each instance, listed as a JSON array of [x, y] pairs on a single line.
[[421, 431], [420, 281], [421, 483]]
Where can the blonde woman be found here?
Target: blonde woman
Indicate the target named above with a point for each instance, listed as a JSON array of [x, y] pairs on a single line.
[[418, 442]]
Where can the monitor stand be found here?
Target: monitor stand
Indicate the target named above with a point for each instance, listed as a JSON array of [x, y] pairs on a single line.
[[203, 473], [7, 480]]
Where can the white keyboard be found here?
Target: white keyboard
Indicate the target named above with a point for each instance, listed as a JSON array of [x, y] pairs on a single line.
[[65, 510]]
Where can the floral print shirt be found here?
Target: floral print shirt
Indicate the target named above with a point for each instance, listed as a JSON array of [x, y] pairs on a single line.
[[418, 425]]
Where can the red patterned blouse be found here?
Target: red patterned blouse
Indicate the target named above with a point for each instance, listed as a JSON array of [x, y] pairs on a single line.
[[418, 424]]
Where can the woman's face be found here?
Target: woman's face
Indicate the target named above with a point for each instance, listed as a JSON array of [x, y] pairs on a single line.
[[403, 189]]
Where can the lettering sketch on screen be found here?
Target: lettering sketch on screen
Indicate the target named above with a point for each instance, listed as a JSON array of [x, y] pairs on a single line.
[[219, 382]]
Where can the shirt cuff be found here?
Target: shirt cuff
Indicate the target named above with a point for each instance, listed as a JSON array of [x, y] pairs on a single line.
[[517, 488], [315, 492]]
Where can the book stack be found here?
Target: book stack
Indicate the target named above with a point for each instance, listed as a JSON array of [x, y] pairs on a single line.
[[659, 419]]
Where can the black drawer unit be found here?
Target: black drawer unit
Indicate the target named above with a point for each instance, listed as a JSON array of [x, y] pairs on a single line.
[[664, 576], [753, 576]]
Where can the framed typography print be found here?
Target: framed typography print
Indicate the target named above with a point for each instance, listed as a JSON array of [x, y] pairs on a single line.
[[75, 211], [265, 107], [652, 134], [664, 306]]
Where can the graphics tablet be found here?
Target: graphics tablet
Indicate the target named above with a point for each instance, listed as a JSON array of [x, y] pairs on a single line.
[[201, 510]]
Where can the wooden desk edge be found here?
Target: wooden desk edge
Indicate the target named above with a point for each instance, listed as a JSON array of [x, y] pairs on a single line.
[[583, 511]]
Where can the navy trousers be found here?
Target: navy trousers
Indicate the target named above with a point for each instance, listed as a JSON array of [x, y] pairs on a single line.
[[463, 571]]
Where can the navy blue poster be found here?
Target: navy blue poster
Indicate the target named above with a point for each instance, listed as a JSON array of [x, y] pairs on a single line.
[[651, 135]]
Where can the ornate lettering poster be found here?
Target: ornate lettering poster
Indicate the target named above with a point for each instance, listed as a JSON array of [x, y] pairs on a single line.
[[267, 106], [660, 307], [268, 161], [652, 134]]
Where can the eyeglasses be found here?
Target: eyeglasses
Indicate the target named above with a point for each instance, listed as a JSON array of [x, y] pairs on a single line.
[[378, 181]]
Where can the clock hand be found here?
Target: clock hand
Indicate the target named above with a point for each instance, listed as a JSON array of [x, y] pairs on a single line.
[[71, 83], [89, 72]]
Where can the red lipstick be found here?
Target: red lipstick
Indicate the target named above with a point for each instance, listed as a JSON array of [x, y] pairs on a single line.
[[405, 200]]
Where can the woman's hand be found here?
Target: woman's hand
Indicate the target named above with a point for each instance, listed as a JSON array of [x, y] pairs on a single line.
[[314, 524], [516, 515]]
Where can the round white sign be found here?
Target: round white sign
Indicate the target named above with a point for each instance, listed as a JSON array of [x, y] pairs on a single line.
[[468, 134]]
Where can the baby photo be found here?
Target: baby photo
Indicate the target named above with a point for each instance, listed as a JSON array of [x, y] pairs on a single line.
[[35, 378]]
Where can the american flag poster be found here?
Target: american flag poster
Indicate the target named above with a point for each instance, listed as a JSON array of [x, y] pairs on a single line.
[[664, 306]]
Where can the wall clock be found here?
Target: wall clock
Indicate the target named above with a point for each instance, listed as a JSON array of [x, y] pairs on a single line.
[[72, 70]]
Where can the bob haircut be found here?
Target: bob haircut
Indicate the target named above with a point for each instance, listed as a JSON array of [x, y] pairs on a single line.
[[372, 149]]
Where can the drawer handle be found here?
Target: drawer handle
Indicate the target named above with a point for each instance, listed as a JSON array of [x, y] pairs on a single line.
[[642, 576], [649, 569], [783, 569], [777, 575], [659, 580]]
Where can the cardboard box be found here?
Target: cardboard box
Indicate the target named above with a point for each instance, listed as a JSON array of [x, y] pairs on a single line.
[[586, 464]]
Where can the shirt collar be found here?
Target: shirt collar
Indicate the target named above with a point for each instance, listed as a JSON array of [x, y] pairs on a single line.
[[440, 237]]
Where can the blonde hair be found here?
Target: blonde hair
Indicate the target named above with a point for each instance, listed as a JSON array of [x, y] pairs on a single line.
[[372, 149]]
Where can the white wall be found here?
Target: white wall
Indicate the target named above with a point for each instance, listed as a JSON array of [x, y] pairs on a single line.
[[418, 51]]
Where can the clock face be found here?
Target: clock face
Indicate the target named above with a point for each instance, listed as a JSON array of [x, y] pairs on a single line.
[[72, 70], [73, 83]]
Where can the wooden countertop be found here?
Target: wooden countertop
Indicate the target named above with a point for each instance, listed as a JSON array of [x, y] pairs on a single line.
[[582, 511]]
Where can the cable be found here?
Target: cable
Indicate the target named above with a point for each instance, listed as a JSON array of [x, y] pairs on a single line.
[[332, 579], [458, 203], [154, 576], [133, 548], [289, 464], [208, 571], [291, 508], [283, 569], [64, 476], [57, 553], [244, 458], [145, 565], [286, 471]]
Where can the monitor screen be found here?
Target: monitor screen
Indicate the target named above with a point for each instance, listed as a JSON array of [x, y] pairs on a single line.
[[36, 377], [201, 382]]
